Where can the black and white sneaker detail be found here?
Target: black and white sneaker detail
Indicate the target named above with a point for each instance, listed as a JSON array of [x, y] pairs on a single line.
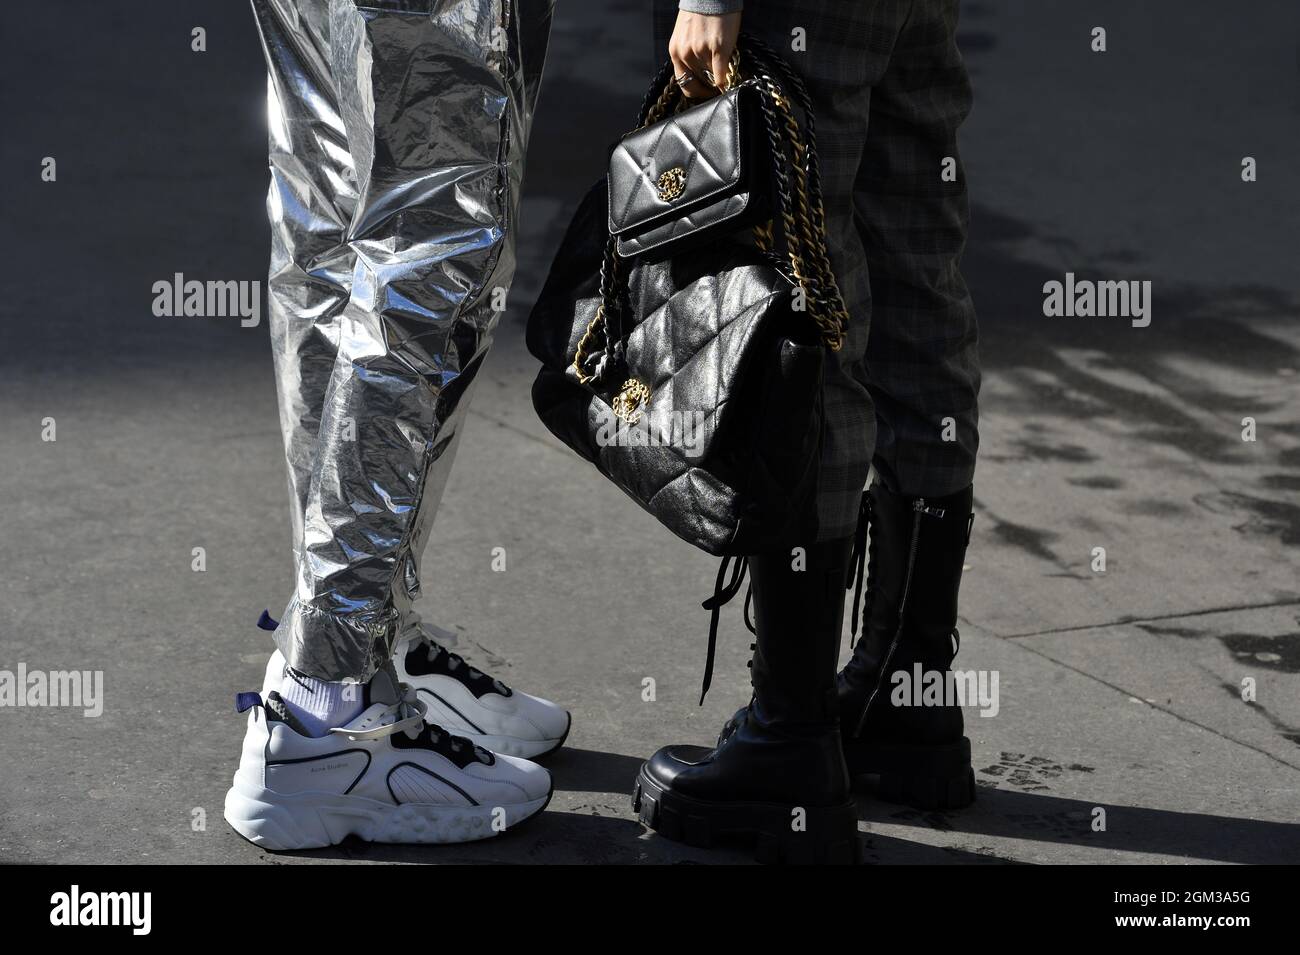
[[468, 701], [463, 699], [386, 776]]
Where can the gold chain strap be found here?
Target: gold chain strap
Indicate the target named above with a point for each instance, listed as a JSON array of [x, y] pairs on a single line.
[[580, 356], [809, 257]]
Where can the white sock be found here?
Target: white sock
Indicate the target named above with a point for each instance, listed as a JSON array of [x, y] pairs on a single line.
[[320, 706]]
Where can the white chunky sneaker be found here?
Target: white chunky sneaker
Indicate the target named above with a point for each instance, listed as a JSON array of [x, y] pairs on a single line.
[[387, 776], [464, 700]]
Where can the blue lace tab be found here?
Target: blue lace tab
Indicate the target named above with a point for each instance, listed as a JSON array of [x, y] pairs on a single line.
[[266, 621], [246, 701]]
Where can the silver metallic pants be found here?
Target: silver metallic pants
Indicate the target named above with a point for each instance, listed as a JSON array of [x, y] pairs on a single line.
[[398, 130]]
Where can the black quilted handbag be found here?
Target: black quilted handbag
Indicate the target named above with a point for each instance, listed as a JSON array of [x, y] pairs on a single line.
[[683, 326]]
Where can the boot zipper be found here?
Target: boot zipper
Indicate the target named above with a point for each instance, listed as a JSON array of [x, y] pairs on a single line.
[[920, 509]]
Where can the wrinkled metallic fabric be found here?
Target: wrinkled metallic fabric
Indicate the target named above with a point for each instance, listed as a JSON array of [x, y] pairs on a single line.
[[398, 130]]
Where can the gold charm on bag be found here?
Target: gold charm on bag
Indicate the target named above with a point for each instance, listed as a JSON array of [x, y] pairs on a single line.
[[630, 402], [671, 184]]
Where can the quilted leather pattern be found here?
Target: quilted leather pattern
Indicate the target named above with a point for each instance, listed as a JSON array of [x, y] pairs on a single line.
[[692, 224], [715, 145], [718, 346]]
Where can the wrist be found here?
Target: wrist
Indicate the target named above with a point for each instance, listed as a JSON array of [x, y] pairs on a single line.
[[711, 7]]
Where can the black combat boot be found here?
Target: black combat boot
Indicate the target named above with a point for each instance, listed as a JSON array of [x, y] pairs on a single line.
[[777, 776], [919, 753]]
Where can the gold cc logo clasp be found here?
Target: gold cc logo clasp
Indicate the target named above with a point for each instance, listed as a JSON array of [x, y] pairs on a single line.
[[671, 184], [630, 402]]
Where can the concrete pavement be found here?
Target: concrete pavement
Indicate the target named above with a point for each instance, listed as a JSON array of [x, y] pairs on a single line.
[[1120, 691]]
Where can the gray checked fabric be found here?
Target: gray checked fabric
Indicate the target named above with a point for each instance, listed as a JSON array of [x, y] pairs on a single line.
[[890, 91]]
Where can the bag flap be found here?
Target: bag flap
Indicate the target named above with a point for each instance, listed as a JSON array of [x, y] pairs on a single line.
[[678, 164]]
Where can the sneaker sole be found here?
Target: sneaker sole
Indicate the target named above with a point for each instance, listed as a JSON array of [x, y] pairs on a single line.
[[829, 836], [282, 822], [929, 777]]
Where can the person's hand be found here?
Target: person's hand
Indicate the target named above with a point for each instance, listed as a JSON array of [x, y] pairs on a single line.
[[701, 47]]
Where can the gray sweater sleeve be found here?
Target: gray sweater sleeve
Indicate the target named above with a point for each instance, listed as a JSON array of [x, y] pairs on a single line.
[[711, 6]]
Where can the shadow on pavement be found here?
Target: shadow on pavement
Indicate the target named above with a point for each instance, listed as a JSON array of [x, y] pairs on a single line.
[[1036, 817]]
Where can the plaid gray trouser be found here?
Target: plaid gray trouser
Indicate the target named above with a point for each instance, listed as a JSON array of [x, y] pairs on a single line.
[[889, 90]]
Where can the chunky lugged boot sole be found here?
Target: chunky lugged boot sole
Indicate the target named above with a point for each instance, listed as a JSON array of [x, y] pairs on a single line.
[[932, 777], [829, 835], [283, 822]]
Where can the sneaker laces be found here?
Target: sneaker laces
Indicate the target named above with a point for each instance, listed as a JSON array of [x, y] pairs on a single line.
[[407, 715], [455, 661]]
